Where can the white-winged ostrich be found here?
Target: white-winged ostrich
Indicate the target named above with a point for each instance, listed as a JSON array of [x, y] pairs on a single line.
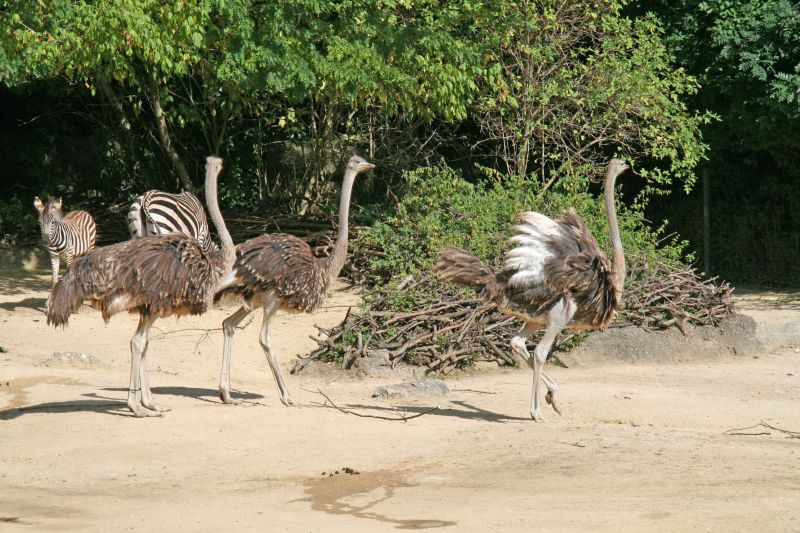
[[278, 271], [557, 276], [152, 276]]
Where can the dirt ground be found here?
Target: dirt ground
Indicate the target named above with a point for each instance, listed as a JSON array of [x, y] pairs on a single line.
[[640, 447]]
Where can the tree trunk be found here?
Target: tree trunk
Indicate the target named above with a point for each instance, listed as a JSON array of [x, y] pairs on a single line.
[[163, 134], [124, 131]]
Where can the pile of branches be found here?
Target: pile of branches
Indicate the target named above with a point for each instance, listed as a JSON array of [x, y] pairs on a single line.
[[662, 297], [428, 323], [447, 329]]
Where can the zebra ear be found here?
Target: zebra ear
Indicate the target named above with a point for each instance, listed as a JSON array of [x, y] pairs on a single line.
[[57, 203], [37, 203]]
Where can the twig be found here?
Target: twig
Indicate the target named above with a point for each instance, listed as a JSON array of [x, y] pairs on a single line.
[[401, 417], [738, 431]]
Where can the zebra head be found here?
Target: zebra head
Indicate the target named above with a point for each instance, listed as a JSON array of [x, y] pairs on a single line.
[[49, 213]]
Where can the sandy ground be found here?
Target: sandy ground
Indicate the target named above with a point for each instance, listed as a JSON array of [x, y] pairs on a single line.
[[638, 448]]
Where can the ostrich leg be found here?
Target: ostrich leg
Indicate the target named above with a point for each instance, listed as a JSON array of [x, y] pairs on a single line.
[[147, 396], [519, 347], [229, 328], [558, 317], [138, 345], [271, 305]]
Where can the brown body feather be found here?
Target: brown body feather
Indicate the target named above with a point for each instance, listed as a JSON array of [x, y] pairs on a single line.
[[160, 276], [283, 263], [584, 274]]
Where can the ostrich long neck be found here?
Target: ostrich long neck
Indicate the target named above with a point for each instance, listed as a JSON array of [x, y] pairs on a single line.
[[618, 257], [228, 250], [335, 261]]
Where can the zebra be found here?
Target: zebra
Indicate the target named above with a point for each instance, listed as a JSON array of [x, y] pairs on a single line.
[[65, 236], [162, 213]]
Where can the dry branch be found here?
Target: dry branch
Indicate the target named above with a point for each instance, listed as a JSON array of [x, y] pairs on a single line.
[[740, 431], [402, 417], [448, 328]]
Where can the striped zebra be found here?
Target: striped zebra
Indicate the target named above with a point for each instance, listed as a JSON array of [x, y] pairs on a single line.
[[65, 236], [162, 213]]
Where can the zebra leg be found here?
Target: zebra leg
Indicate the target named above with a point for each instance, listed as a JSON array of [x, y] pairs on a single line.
[[55, 264], [271, 305], [229, 328], [138, 345]]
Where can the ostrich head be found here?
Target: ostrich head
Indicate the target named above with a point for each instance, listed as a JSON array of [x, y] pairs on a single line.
[[358, 164], [617, 167], [214, 164]]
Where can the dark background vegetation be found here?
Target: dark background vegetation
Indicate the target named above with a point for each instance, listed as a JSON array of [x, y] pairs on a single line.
[[470, 109]]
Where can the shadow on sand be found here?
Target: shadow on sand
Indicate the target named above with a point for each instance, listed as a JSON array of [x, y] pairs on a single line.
[[23, 270], [114, 405], [469, 411], [37, 304]]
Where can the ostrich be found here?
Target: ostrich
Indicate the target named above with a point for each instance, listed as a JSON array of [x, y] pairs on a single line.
[[557, 276], [278, 271], [152, 276]]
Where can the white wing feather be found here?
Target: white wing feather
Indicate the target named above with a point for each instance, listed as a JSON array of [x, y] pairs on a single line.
[[532, 251]]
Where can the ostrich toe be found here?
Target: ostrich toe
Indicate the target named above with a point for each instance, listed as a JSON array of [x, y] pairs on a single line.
[[552, 398]]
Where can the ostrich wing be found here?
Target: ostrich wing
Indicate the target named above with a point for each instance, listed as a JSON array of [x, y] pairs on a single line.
[[556, 258], [283, 263]]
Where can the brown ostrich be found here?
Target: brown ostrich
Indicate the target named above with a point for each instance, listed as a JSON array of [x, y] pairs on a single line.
[[152, 276], [557, 276], [279, 271]]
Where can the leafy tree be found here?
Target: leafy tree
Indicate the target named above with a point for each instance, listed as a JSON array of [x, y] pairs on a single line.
[[195, 71], [746, 57], [571, 82]]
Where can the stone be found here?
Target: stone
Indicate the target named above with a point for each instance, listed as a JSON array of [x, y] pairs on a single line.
[[71, 358], [421, 388]]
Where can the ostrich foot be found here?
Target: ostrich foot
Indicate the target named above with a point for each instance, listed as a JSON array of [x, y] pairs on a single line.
[[287, 400], [153, 406], [552, 398], [536, 415], [140, 411], [225, 396]]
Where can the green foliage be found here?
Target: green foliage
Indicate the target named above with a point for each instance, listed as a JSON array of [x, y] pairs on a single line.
[[16, 219], [746, 56], [210, 69], [442, 209], [571, 82]]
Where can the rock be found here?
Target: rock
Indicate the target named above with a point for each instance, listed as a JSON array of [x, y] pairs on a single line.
[[380, 356], [421, 388], [71, 358], [302, 366], [378, 364], [735, 335]]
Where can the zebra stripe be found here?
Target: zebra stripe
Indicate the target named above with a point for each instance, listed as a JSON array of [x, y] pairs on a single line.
[[161, 213], [65, 236]]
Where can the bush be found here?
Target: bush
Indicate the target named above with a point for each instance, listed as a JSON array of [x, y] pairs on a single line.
[[440, 209], [18, 221]]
